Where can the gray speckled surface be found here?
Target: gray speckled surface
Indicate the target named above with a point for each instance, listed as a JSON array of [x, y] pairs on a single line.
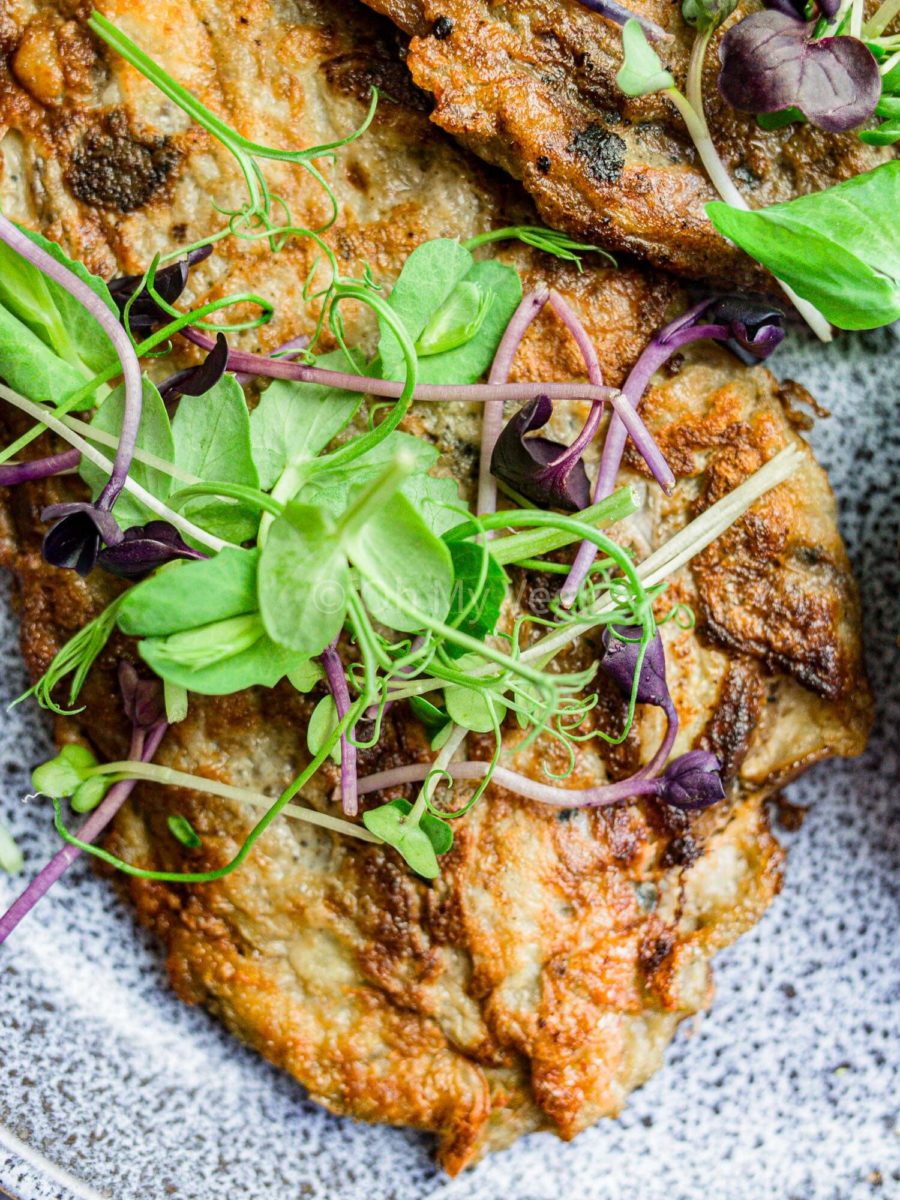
[[787, 1089]]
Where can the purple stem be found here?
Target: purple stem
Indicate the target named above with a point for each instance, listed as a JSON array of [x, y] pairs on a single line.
[[658, 761], [288, 351], [571, 320], [659, 350], [39, 468], [618, 14], [274, 368], [337, 685], [144, 744], [109, 323], [545, 793], [492, 417]]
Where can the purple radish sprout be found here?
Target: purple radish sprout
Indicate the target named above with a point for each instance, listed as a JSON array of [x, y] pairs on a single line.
[[287, 351], [757, 331], [340, 693], [273, 368], [690, 782], [39, 468], [492, 417]]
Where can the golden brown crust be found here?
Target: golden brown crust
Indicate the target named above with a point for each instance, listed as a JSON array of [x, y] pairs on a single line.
[[541, 978], [531, 87]]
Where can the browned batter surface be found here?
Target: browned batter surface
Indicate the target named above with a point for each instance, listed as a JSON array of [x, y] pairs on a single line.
[[541, 978], [530, 85]]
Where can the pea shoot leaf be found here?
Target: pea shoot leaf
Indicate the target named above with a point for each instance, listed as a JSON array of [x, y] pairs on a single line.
[[154, 436], [230, 666], [835, 248], [322, 724], [192, 594], [396, 552], [481, 620], [419, 844], [294, 421], [467, 363], [471, 707], [441, 291], [212, 441], [641, 72], [49, 344], [303, 580], [183, 831]]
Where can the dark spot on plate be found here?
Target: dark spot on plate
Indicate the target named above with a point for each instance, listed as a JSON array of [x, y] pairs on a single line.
[[602, 151], [113, 169]]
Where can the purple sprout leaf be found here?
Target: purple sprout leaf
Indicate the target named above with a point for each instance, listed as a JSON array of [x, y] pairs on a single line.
[[539, 468], [198, 380], [81, 530], [692, 781], [622, 646], [754, 325], [769, 62], [142, 699], [143, 548]]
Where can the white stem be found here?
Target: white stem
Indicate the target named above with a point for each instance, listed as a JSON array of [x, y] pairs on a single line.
[[440, 764], [151, 460], [168, 776], [694, 116], [38, 413], [881, 18], [856, 19], [890, 63]]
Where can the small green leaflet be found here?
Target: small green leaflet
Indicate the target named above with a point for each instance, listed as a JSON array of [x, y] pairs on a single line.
[[473, 708], [49, 344], [456, 321], [212, 441], [397, 553], [88, 795], [154, 436], [418, 844], [481, 619], [201, 626], [426, 297], [294, 421], [322, 724], [61, 776], [188, 594], [183, 831], [641, 72], [837, 248], [11, 858]]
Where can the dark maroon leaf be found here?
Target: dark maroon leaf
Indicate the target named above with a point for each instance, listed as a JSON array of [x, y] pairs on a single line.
[[769, 62], [197, 381], [537, 467], [142, 699], [170, 282], [143, 548], [754, 325], [75, 540]]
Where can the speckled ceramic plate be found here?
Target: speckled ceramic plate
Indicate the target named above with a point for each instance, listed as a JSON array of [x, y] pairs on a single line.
[[787, 1089]]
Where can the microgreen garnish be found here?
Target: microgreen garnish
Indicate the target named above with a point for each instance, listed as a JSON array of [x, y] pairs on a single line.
[[550, 241], [262, 548], [11, 858], [183, 831]]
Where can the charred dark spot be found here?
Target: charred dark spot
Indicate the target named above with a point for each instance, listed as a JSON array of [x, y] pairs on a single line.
[[729, 730], [357, 177], [442, 28], [378, 65], [114, 169], [655, 950], [681, 852], [543, 164], [603, 152], [179, 232], [565, 814]]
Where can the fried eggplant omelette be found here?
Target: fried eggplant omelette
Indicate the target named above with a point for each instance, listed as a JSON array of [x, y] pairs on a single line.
[[531, 87], [541, 977]]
